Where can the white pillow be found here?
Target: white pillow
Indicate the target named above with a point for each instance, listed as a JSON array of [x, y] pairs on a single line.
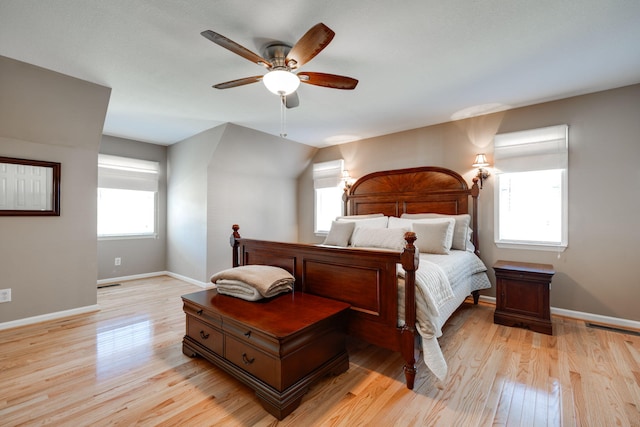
[[356, 217], [340, 233], [461, 235], [375, 222], [435, 236], [395, 222], [387, 238]]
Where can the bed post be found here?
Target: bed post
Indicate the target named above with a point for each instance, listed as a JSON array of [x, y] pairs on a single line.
[[409, 259], [233, 240], [475, 192]]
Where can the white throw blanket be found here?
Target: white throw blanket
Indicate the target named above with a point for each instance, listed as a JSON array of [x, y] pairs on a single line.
[[436, 299], [433, 290], [253, 282]]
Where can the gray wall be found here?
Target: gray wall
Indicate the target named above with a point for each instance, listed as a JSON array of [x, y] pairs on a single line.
[[138, 255], [596, 274], [224, 176], [50, 262]]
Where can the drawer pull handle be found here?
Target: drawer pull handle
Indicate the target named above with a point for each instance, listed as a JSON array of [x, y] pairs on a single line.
[[247, 361], [247, 334], [204, 335], [199, 312]]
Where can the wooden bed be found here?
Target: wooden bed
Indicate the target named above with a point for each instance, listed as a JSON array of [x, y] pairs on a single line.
[[364, 278]]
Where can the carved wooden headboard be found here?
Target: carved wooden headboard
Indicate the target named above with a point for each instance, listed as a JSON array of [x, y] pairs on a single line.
[[414, 190]]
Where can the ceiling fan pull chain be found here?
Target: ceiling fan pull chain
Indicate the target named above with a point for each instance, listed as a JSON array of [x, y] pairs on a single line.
[[283, 100]]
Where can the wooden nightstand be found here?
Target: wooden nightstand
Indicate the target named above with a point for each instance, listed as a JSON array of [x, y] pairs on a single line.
[[522, 295]]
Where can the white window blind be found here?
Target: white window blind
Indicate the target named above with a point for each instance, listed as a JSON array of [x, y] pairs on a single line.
[[127, 173], [327, 174], [532, 188], [536, 149]]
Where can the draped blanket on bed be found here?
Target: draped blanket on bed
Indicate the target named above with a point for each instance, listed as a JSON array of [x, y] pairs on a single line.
[[436, 279]]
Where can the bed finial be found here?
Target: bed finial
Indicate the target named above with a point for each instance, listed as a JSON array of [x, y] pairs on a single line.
[[233, 241], [410, 237]]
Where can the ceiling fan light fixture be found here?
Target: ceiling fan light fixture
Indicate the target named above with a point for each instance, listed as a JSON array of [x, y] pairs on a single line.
[[281, 82]]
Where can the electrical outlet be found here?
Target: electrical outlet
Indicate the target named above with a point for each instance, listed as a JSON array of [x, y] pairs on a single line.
[[118, 261], [5, 295]]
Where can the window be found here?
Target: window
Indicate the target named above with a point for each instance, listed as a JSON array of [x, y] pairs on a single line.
[[327, 180], [531, 189], [127, 197]]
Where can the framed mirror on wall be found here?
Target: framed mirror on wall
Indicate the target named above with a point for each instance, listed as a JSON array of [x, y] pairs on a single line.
[[29, 187]]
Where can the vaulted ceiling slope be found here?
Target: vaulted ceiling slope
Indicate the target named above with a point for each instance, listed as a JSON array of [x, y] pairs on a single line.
[[418, 62]]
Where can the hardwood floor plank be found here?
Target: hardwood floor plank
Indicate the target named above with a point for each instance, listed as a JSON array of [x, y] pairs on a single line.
[[124, 365]]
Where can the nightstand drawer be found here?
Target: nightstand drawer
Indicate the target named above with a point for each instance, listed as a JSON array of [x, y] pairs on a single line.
[[204, 334], [253, 361]]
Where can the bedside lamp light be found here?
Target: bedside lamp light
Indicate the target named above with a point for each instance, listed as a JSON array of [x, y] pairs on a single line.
[[480, 163]]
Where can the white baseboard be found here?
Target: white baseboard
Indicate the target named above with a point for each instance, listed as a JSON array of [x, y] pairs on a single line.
[[189, 280], [587, 317], [155, 274], [133, 277], [49, 316]]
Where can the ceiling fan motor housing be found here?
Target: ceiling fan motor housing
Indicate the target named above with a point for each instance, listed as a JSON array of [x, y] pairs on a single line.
[[277, 53]]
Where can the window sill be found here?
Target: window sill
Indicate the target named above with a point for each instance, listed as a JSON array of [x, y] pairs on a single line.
[[531, 246], [128, 237]]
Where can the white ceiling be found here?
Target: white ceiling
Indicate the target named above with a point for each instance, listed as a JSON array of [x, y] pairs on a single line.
[[419, 62]]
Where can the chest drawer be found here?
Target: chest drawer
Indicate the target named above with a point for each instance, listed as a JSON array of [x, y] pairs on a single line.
[[204, 334], [253, 361], [249, 335]]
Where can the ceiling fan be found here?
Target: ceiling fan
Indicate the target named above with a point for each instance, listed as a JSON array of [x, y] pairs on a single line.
[[282, 60]]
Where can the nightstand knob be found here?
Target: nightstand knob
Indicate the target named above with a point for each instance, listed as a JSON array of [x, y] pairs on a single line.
[[204, 335], [247, 334]]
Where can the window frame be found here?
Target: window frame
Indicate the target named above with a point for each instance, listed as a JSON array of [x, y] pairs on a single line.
[[535, 156], [124, 173], [327, 175]]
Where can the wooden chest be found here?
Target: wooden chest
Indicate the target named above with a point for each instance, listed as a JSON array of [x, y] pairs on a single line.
[[522, 295], [278, 346]]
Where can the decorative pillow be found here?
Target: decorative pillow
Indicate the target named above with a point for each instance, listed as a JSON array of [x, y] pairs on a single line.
[[461, 229], [434, 237], [340, 233], [387, 238]]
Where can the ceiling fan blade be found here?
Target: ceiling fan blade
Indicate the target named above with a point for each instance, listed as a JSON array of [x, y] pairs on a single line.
[[327, 80], [238, 82], [292, 100], [314, 40], [234, 47]]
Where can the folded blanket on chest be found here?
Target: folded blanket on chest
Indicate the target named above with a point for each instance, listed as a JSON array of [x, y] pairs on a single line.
[[253, 282]]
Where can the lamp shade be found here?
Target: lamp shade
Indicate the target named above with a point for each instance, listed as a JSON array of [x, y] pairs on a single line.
[[281, 82], [481, 161]]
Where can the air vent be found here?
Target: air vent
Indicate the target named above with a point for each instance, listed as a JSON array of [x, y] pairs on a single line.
[[613, 329], [109, 285]]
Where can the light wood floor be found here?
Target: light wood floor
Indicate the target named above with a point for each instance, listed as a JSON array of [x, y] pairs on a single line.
[[124, 365]]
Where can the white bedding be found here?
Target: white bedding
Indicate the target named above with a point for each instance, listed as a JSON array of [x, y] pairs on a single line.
[[442, 284]]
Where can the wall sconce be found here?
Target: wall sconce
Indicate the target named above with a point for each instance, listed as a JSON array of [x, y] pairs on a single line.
[[481, 162], [347, 180]]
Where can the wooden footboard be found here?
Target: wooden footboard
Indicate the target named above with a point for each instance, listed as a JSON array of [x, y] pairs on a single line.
[[365, 279]]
